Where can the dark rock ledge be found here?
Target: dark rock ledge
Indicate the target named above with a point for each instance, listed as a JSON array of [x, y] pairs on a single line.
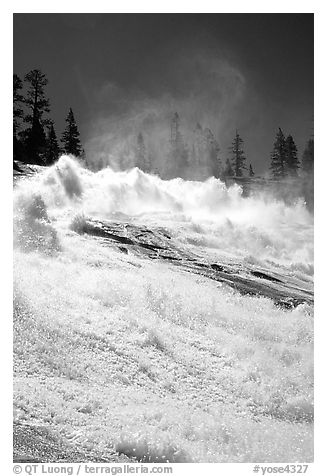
[[286, 291]]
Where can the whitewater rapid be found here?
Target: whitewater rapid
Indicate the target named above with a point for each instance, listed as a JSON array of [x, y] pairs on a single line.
[[118, 352], [206, 215]]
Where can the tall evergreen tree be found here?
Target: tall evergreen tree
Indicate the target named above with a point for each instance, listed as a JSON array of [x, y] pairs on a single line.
[[213, 162], [70, 136], [38, 105], [219, 168], [52, 148], [251, 173], [238, 157], [18, 100], [18, 113], [198, 146], [278, 156], [178, 154], [204, 157], [308, 157], [291, 160]]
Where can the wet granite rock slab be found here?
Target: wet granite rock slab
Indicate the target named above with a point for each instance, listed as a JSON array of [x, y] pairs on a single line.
[[156, 244]]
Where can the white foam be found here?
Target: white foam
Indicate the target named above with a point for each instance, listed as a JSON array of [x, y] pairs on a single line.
[[207, 214], [177, 368]]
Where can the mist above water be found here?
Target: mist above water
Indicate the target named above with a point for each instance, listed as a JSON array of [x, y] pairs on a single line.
[[202, 87]]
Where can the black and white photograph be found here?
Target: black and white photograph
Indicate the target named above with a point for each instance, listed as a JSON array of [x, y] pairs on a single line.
[[163, 241]]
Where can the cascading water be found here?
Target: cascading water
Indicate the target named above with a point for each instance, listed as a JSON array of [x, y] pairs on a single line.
[[145, 357], [205, 213]]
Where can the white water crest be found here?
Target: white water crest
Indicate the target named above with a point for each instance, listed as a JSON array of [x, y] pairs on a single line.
[[203, 214], [125, 352]]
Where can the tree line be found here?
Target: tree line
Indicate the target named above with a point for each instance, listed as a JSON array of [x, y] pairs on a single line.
[[284, 157], [35, 141], [34, 136], [203, 152]]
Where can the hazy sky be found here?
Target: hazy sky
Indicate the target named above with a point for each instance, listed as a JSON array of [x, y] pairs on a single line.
[[253, 72]]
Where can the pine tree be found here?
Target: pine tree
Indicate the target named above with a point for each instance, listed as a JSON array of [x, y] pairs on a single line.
[[178, 154], [70, 136], [278, 156], [198, 146], [52, 148], [38, 105], [204, 156], [175, 134], [18, 101], [35, 143], [219, 168], [228, 172], [18, 113], [291, 160], [251, 173], [211, 154], [238, 155], [308, 157]]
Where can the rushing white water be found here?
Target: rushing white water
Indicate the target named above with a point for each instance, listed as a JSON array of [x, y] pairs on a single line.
[[145, 357], [205, 214]]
